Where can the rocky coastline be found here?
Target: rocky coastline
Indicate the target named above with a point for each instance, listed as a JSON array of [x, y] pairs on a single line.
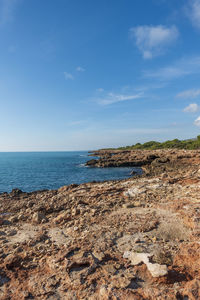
[[137, 238]]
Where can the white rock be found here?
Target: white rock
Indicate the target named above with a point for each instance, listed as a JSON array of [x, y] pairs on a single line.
[[103, 290], [127, 254], [38, 217], [134, 191], [156, 270]]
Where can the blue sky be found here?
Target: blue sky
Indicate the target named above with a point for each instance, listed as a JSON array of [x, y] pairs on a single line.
[[78, 75]]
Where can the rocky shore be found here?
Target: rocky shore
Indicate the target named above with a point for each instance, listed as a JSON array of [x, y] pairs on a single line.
[[137, 238]]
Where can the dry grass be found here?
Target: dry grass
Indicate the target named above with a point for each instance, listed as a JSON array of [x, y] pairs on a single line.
[[172, 230], [162, 256]]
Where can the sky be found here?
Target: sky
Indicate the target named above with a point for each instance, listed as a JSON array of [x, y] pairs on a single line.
[[81, 75]]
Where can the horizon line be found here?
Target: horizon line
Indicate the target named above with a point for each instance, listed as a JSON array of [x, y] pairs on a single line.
[[39, 151]]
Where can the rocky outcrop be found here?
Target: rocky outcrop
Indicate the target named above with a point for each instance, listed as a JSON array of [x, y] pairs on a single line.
[[151, 161], [137, 238]]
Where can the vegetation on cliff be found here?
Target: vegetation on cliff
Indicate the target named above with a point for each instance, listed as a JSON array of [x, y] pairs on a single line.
[[190, 144]]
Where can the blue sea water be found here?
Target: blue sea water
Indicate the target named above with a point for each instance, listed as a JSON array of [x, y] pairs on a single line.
[[30, 171]]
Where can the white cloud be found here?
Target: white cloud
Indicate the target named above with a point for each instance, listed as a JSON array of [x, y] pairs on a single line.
[[100, 90], [76, 123], [7, 8], [192, 108], [152, 40], [114, 98], [68, 76], [80, 69], [181, 68], [193, 12], [189, 94], [197, 122]]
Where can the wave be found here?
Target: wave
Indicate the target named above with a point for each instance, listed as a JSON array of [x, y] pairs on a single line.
[[82, 166]]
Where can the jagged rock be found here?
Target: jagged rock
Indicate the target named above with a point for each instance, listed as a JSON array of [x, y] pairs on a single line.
[[38, 217], [65, 216], [69, 243], [16, 192], [156, 270]]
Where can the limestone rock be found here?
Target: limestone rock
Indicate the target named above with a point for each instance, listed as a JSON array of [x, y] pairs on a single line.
[[74, 248], [156, 270], [38, 217]]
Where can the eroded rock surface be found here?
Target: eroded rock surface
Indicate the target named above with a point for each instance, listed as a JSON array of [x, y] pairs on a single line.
[[70, 243]]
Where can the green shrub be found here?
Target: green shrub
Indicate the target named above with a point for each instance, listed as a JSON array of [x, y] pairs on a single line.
[[190, 144]]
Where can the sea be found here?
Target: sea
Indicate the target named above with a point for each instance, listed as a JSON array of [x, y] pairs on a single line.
[[31, 171]]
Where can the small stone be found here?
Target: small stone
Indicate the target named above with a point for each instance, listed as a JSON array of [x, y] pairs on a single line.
[[117, 266], [137, 240], [110, 269], [154, 239], [137, 203], [103, 290], [157, 270], [47, 241], [38, 217], [21, 216], [12, 232], [75, 211], [127, 205], [13, 219], [30, 243], [99, 255], [65, 216], [120, 282], [18, 250]]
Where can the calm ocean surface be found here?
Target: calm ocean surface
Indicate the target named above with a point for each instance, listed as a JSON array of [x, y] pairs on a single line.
[[30, 171]]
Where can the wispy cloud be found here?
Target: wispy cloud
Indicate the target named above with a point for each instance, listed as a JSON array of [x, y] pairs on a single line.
[[80, 69], [153, 40], [189, 94], [193, 12], [68, 76], [7, 8], [100, 90], [77, 123], [181, 68], [192, 108], [197, 122], [111, 98]]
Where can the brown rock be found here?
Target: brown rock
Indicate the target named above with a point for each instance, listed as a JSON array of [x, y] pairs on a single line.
[[38, 217], [77, 253]]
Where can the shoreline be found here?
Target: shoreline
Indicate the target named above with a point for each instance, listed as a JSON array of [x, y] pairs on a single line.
[[130, 238], [24, 171]]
